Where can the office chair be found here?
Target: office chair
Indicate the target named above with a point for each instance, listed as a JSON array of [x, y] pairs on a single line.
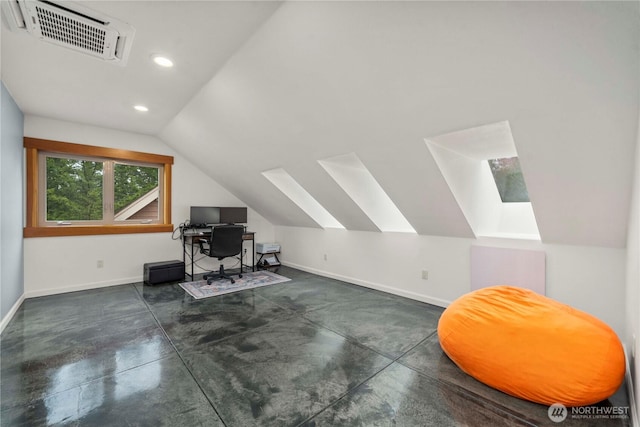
[[225, 241]]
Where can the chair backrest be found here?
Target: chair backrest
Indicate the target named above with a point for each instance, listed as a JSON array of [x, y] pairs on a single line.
[[226, 241]]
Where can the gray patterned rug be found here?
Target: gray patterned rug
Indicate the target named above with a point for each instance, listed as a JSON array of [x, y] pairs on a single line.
[[199, 289]]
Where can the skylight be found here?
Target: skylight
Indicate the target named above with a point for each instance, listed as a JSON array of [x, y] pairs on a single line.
[[356, 180], [298, 195], [509, 180], [482, 169]]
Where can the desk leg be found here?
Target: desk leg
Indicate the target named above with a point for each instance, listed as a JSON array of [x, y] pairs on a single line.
[[184, 255], [253, 254], [192, 259], [184, 252]]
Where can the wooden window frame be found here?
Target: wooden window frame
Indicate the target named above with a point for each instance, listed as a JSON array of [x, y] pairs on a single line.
[[33, 146]]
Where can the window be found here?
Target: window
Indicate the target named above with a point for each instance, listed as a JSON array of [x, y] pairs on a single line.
[[482, 168], [509, 180], [75, 189], [298, 195], [355, 179]]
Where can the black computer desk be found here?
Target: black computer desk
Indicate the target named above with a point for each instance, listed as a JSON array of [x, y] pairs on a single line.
[[190, 237]]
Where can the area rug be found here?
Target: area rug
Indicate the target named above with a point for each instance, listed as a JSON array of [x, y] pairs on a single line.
[[199, 289]]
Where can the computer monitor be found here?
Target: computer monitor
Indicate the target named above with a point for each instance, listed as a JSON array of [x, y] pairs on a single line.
[[233, 215], [204, 216]]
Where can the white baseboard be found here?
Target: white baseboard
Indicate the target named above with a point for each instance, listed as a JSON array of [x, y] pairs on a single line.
[[372, 285], [83, 287], [5, 321]]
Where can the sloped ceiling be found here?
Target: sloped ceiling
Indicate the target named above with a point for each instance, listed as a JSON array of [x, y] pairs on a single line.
[[315, 80], [324, 78], [200, 36]]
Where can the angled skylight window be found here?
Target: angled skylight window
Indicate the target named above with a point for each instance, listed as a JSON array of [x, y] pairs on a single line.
[[482, 169], [356, 180], [509, 180], [298, 195]]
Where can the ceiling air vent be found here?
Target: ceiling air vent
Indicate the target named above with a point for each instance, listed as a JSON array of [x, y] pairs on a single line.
[[72, 26]]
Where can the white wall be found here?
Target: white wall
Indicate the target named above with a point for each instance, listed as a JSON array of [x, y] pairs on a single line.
[[589, 278], [61, 264], [633, 279], [322, 79], [11, 207]]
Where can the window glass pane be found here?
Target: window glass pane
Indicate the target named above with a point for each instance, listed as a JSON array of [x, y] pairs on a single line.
[[74, 189], [136, 192], [509, 179]]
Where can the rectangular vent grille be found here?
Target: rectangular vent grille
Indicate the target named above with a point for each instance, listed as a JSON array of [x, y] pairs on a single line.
[[71, 31]]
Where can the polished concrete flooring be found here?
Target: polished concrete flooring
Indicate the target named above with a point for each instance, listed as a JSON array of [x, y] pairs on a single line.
[[308, 352]]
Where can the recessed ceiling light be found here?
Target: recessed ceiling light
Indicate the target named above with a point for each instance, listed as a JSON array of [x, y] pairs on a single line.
[[141, 108], [162, 61]]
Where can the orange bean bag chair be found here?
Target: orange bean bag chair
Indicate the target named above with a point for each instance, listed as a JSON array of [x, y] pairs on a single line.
[[532, 347]]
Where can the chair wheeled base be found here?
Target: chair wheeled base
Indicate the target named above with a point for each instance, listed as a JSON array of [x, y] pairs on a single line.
[[220, 274]]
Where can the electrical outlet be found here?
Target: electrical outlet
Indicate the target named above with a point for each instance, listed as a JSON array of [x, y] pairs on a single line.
[[425, 275], [100, 263], [325, 257]]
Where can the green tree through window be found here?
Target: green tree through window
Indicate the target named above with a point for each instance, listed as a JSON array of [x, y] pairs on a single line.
[[131, 183], [509, 179], [74, 189], [100, 190]]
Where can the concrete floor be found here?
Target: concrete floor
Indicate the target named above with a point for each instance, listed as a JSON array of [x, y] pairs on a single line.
[[309, 352]]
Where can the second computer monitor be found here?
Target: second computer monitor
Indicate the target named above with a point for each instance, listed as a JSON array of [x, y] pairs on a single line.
[[233, 215]]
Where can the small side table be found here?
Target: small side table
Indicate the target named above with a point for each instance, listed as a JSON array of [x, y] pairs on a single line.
[[267, 263]]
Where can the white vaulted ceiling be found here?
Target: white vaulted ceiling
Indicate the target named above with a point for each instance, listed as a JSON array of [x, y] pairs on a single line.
[[200, 36], [262, 85]]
